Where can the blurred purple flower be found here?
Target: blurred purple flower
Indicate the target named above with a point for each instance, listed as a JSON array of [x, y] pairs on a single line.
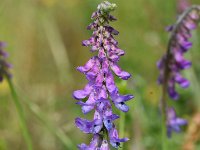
[[101, 88], [4, 65], [182, 5], [173, 122], [173, 62]]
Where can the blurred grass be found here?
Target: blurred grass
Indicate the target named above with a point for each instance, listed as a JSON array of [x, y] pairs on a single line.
[[44, 41]]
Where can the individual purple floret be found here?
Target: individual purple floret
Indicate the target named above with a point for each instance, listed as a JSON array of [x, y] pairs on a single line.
[[182, 5], [101, 89], [173, 62], [97, 143], [114, 138], [173, 122], [4, 65]]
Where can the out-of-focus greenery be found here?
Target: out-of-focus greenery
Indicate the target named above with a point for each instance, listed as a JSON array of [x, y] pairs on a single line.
[[44, 41]]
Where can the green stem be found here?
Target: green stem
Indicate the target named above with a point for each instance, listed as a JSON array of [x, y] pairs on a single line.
[[164, 137], [22, 119], [121, 126], [57, 132], [163, 111], [33, 108]]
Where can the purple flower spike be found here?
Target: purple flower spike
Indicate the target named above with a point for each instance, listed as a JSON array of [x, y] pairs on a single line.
[[101, 90], [173, 62], [4, 65], [173, 122]]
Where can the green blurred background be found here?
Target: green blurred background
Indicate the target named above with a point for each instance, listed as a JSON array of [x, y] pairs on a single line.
[[44, 41]]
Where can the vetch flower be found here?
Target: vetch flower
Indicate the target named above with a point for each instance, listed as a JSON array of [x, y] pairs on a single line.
[[97, 143], [182, 5], [4, 65], [114, 139], [94, 144], [101, 91], [173, 122], [173, 62], [4, 73]]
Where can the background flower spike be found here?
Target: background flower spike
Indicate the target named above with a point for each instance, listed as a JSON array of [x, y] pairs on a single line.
[[4, 65], [173, 62]]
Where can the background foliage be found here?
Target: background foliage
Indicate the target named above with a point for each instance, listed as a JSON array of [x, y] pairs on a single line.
[[44, 41]]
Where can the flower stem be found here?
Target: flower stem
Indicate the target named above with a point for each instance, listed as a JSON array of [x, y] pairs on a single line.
[[36, 111], [164, 138], [66, 141], [121, 126], [20, 111], [163, 113]]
